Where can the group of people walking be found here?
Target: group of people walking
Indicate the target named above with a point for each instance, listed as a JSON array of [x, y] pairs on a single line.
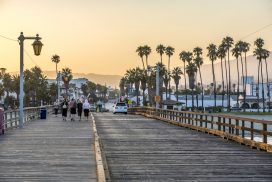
[[75, 107]]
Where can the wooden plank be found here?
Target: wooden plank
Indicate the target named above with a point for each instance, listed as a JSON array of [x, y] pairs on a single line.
[[142, 149], [48, 150]]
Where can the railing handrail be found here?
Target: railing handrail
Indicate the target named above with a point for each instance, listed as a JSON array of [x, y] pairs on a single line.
[[214, 115], [11, 117], [247, 131]]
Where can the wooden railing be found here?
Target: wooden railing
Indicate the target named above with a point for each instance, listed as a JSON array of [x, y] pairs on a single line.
[[11, 118], [252, 132]]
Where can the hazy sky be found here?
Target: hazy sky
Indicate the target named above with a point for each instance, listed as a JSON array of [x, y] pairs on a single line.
[[101, 36]]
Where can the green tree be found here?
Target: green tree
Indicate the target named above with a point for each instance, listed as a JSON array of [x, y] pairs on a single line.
[[221, 53], [212, 54], [176, 75], [160, 49], [198, 60], [56, 59], [66, 77], [169, 51], [228, 42], [7, 83], [236, 52], [258, 53], [146, 50], [245, 48], [265, 55], [191, 70], [141, 53]]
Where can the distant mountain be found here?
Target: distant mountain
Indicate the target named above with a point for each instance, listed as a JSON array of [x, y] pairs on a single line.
[[109, 80], [252, 65]]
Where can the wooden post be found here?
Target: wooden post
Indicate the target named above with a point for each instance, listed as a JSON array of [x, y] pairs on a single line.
[[224, 122], [265, 133], [212, 122], [219, 123], [236, 129], [201, 117], [251, 131], [206, 119], [243, 130]]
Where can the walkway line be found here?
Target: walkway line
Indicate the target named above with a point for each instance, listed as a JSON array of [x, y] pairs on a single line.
[[101, 175]]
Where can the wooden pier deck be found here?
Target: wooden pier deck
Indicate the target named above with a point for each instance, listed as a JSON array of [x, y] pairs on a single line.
[[48, 150], [141, 149]]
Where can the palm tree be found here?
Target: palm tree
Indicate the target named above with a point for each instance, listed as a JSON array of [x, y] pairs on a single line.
[[56, 59], [228, 42], [185, 57], [258, 53], [146, 50], [265, 56], [212, 54], [143, 80], [221, 53], [140, 51], [134, 76], [122, 86], [66, 77], [176, 72], [166, 80], [160, 49], [191, 70], [169, 51], [236, 53], [245, 49], [2, 72], [198, 60], [239, 46]]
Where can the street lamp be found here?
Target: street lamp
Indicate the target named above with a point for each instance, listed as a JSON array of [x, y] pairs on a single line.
[[37, 46]]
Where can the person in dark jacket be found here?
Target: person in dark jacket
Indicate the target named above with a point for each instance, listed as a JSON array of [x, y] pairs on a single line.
[[79, 108], [64, 106]]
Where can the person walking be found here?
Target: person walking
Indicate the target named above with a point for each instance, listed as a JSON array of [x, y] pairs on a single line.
[[73, 106], [79, 108], [86, 109], [64, 106], [56, 108]]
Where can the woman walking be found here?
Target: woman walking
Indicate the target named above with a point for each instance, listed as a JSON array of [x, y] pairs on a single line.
[[64, 106], [79, 108], [56, 108], [86, 109], [73, 106]]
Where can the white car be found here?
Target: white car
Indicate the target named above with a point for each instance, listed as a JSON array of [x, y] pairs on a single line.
[[120, 107]]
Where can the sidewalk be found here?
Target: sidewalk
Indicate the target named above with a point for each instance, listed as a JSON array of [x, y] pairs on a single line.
[[48, 150]]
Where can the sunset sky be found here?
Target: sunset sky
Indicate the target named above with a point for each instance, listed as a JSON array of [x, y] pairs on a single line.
[[101, 36]]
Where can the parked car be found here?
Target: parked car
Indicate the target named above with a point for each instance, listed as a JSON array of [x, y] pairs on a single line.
[[120, 107]]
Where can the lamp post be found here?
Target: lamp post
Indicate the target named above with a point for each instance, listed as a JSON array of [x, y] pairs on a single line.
[[37, 46]]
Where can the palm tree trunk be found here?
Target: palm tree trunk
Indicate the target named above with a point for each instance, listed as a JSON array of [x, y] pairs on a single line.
[[161, 59], [144, 99], [262, 87], [238, 90], [177, 91], [214, 85], [258, 90], [245, 81], [268, 87], [169, 88], [227, 80], [243, 76], [223, 84], [185, 86], [143, 63], [229, 83], [146, 62], [193, 106], [202, 94]]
